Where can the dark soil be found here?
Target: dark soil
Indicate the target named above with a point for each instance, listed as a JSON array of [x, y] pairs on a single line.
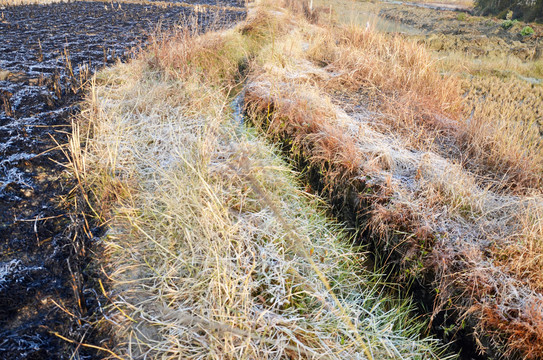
[[232, 3], [48, 281]]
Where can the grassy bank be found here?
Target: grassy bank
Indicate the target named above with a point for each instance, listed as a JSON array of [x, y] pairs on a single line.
[[213, 249], [454, 204], [500, 74]]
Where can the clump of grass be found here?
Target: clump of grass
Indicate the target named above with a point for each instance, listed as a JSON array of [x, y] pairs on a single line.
[[213, 249], [199, 58], [527, 31], [461, 16], [402, 70], [507, 24]]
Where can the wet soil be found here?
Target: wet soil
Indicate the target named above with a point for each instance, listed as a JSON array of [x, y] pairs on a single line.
[[47, 277]]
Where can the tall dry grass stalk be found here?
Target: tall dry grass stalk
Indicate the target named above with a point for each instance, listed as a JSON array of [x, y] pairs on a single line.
[[213, 250]]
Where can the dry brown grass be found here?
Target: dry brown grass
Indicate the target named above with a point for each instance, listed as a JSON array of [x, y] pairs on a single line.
[[213, 250], [395, 76], [477, 240], [400, 78], [501, 106], [375, 123]]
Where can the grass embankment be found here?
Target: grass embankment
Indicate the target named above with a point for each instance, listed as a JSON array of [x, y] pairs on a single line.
[[203, 245], [213, 250], [455, 204]]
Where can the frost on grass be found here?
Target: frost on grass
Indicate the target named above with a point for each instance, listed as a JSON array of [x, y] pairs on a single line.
[[372, 117], [213, 249]]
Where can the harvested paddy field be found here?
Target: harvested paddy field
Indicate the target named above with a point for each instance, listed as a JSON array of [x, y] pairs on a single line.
[[47, 55], [473, 35]]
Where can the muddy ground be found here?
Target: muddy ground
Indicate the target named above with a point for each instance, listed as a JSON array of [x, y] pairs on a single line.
[[47, 283]]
